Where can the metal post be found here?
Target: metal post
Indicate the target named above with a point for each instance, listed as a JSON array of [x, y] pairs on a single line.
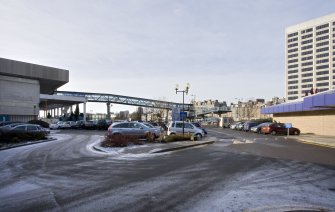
[[183, 113], [183, 91]]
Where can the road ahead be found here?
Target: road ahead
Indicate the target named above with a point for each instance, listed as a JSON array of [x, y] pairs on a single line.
[[238, 172]]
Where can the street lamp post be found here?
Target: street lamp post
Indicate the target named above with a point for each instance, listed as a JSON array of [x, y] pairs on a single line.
[[184, 92]]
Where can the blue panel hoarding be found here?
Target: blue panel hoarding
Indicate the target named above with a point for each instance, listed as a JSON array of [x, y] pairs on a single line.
[[183, 116]]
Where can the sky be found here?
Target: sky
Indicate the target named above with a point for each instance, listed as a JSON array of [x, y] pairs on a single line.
[[228, 50]]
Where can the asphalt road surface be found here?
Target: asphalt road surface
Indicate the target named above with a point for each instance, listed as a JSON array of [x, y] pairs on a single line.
[[239, 172]]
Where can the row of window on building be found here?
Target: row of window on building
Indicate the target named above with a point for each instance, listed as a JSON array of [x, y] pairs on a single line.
[[317, 28]]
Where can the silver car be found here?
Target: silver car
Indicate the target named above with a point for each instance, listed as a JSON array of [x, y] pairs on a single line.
[[27, 128], [134, 129], [176, 127]]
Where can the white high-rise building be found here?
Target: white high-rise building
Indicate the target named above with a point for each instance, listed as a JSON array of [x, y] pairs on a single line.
[[309, 57]]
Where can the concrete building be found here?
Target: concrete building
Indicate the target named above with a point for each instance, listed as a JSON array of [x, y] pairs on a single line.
[[309, 57], [21, 85], [249, 110]]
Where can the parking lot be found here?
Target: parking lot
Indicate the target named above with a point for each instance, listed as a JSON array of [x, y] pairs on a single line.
[[65, 174]]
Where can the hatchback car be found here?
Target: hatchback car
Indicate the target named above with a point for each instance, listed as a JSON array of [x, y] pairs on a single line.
[[134, 129], [176, 127], [279, 128]]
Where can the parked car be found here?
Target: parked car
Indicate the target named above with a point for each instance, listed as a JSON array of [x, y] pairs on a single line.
[[248, 124], [239, 126], [136, 129], [10, 125], [198, 125], [234, 125], [176, 127], [278, 128], [103, 124], [26, 128], [55, 126], [257, 129], [79, 125], [65, 125], [90, 125], [159, 124], [153, 125]]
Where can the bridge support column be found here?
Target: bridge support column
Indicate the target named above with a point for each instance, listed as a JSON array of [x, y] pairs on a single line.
[[108, 110], [167, 116], [85, 111]]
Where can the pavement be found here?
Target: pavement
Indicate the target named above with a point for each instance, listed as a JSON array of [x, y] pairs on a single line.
[[319, 140]]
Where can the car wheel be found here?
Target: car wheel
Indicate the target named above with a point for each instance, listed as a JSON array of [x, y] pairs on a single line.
[[151, 137], [296, 133], [273, 133], [199, 136]]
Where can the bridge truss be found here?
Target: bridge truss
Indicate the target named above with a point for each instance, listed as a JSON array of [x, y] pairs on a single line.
[[125, 100]]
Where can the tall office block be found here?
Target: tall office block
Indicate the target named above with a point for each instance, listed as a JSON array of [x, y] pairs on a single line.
[[309, 56]]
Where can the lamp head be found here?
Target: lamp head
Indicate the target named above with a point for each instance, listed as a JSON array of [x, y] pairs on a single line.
[[187, 87]]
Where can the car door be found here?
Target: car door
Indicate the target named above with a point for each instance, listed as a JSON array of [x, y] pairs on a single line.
[[32, 129], [134, 129], [137, 129], [124, 129], [280, 128], [20, 128], [189, 128], [178, 127]]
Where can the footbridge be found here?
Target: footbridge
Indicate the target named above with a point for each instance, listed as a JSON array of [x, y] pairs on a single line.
[[65, 100], [216, 110], [125, 100]]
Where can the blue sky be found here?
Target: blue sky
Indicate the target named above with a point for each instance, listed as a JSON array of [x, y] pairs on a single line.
[[225, 49]]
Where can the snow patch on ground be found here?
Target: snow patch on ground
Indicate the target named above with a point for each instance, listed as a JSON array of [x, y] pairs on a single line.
[[130, 152], [15, 188], [269, 189]]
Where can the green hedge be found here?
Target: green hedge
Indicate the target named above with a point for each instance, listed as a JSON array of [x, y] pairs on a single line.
[[173, 138], [39, 122]]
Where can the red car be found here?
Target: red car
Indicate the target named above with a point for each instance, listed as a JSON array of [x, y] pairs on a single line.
[[278, 128]]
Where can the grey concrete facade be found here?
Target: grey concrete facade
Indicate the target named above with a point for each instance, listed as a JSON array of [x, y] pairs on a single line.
[[19, 98], [49, 78], [21, 85]]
